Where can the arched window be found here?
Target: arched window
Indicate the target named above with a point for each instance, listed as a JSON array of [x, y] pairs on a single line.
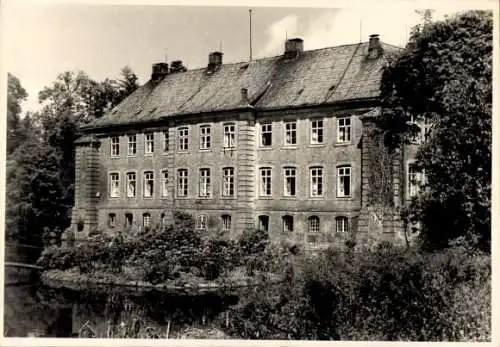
[[112, 220], [146, 220], [341, 224], [264, 223], [226, 222], [201, 221], [287, 224], [313, 224], [129, 219]]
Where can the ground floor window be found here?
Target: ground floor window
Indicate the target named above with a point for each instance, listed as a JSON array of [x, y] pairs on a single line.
[[129, 219], [226, 222], [112, 220], [341, 224], [264, 223], [146, 220], [201, 221], [287, 224], [313, 224]]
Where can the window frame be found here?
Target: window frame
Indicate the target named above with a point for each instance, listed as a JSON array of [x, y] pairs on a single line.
[[293, 133], [146, 220], [320, 189], [224, 221], [346, 127], [149, 139], [342, 221], [263, 132], [269, 180], [132, 145], [164, 183], [261, 218], [204, 183], [115, 147], [145, 182], [118, 187], [205, 132], [112, 220], [127, 182], [229, 135], [286, 193], [341, 178], [185, 187], [231, 182], [287, 227], [313, 219], [201, 222], [183, 139], [166, 141], [319, 129]]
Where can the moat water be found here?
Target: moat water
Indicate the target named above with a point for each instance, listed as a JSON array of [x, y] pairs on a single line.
[[36, 310]]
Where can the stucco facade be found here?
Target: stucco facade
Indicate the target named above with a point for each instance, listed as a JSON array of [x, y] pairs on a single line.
[[302, 173]]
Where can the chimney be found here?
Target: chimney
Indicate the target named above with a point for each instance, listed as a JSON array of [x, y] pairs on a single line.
[[244, 95], [177, 66], [293, 47], [374, 47], [214, 61], [160, 70]]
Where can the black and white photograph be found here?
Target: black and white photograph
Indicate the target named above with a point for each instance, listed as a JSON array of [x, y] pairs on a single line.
[[247, 171]]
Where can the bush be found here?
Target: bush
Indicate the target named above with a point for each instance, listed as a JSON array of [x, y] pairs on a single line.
[[386, 294]]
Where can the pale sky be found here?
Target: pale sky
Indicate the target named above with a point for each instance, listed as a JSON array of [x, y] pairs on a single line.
[[42, 40]]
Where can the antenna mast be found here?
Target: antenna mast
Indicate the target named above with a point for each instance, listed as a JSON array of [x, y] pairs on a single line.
[[250, 13]]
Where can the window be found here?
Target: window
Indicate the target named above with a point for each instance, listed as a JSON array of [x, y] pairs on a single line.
[[165, 141], [313, 224], [290, 133], [424, 131], [205, 137], [266, 134], [163, 220], [226, 222], [344, 129], [341, 224], [131, 184], [164, 183], [114, 181], [149, 184], [201, 222], [182, 183], [146, 220], [205, 182], [149, 143], [132, 145], [426, 128], [228, 181], [289, 181], [316, 181], [183, 134], [129, 219], [344, 181], [115, 146], [112, 220], [415, 179], [229, 135], [317, 131], [287, 224], [265, 182], [264, 223]]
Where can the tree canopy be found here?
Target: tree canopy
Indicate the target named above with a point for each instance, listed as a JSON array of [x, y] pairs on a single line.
[[445, 75]]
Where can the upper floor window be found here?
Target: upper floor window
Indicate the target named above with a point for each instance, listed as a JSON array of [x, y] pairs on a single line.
[[115, 146], [289, 181], [264, 223], [205, 137], [316, 181], [266, 134], [166, 142], [344, 129], [424, 125], [205, 188], [317, 131], [229, 135], [290, 133], [201, 222], [415, 179], [149, 183], [228, 181], [146, 220], [265, 181], [287, 224], [182, 182], [183, 139], [149, 143], [131, 184], [114, 185], [226, 222], [132, 145], [164, 183], [313, 224], [344, 181], [341, 224]]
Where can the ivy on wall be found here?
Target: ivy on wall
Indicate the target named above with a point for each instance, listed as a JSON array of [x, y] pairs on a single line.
[[381, 189]]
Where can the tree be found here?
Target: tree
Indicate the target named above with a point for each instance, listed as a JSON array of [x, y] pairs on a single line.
[[15, 95], [445, 75]]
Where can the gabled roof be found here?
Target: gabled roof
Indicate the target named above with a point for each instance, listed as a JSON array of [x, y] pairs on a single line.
[[317, 77]]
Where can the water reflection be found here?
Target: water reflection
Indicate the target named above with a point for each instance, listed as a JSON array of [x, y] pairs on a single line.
[[38, 310]]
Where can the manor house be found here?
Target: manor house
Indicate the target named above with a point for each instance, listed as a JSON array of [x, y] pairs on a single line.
[[284, 144]]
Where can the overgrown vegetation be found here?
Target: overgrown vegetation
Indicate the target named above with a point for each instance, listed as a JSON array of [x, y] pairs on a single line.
[[445, 76], [178, 252], [387, 294]]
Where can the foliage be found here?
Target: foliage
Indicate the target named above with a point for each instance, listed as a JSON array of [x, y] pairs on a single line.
[[388, 294], [15, 95], [445, 75]]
